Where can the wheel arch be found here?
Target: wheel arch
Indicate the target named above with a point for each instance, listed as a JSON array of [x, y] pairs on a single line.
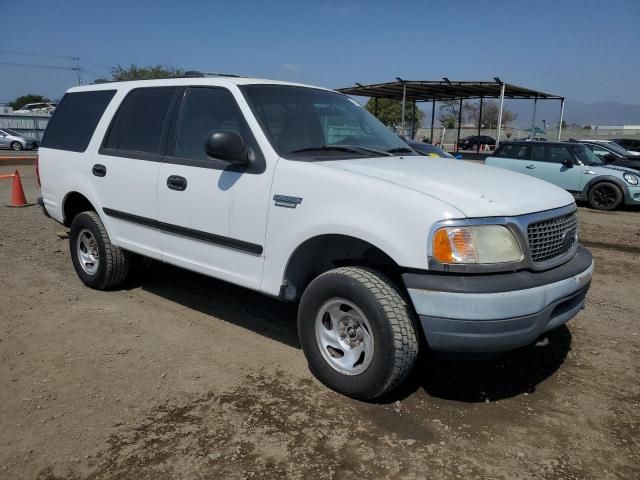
[[325, 252], [605, 178], [73, 204]]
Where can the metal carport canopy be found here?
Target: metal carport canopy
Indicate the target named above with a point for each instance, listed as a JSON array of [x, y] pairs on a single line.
[[440, 90], [447, 90]]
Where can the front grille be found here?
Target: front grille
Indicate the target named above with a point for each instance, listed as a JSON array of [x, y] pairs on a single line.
[[553, 237]]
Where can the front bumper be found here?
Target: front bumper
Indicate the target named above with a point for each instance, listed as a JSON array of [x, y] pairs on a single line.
[[498, 312], [632, 196]]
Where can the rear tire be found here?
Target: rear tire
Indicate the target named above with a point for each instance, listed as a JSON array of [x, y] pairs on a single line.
[[16, 146], [605, 196], [357, 332], [98, 263]]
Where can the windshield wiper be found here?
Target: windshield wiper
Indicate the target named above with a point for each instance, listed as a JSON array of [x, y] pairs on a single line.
[[344, 148], [401, 150]]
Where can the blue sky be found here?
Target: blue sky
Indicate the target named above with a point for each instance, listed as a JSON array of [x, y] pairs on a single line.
[[586, 50]]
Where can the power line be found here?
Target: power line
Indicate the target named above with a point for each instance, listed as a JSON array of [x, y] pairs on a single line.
[[26, 54], [35, 65]]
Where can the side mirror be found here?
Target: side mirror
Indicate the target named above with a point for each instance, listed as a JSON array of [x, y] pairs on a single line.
[[567, 163], [226, 145]]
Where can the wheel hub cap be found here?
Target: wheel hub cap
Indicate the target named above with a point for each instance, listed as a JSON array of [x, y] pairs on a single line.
[[87, 252], [344, 336]]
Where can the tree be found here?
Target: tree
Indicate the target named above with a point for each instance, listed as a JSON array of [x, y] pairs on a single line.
[[390, 112], [490, 113], [448, 112], [134, 72], [29, 98]]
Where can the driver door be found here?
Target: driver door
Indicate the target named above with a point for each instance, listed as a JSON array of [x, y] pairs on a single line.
[[547, 163], [213, 214]]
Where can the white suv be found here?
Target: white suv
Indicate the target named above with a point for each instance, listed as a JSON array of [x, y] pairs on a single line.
[[299, 193]]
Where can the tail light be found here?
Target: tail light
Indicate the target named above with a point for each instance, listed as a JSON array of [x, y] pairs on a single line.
[[38, 170]]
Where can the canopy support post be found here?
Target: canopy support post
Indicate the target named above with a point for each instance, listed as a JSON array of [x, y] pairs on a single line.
[[479, 124], [375, 106], [459, 123], [404, 101], [413, 120], [533, 118], [561, 118], [433, 117], [502, 86]]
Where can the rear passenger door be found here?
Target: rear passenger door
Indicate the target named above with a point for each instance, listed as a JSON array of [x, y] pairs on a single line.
[[124, 176], [547, 164], [511, 156], [213, 214]]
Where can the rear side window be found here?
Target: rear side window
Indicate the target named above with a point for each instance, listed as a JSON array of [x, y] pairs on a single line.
[[74, 121], [140, 121], [519, 152]]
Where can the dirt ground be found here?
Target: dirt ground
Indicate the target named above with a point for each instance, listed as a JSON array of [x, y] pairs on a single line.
[[181, 376]]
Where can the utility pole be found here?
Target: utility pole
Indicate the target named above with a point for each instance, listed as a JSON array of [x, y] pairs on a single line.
[[77, 68]]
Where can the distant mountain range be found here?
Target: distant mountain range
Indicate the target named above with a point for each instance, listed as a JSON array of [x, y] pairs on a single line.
[[602, 113]]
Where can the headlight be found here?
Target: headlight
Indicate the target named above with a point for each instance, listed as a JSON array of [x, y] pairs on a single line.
[[475, 244], [630, 178]]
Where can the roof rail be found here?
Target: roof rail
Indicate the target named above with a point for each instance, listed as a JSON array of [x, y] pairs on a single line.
[[187, 74]]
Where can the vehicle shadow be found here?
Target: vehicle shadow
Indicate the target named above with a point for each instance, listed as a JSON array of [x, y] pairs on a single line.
[[450, 378], [230, 303], [481, 380]]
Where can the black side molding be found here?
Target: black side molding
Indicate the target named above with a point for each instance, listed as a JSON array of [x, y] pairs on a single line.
[[228, 242]]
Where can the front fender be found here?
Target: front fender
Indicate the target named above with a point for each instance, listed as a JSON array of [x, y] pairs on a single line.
[[394, 219], [606, 178]]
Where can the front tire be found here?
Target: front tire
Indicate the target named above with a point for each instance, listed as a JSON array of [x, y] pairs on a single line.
[[16, 146], [98, 263], [357, 332], [605, 196]]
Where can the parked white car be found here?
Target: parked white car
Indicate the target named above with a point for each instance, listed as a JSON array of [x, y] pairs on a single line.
[[299, 193], [42, 108]]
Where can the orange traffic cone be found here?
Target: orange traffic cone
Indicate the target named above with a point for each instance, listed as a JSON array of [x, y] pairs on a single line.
[[17, 192]]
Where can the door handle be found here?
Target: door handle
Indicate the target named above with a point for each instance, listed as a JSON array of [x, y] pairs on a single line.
[[99, 170], [531, 167], [176, 182]]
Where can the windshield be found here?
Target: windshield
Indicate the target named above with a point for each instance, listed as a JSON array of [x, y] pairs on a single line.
[[308, 124], [586, 156], [617, 148], [12, 132]]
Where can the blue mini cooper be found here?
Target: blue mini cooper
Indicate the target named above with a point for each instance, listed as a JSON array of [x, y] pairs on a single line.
[[575, 168]]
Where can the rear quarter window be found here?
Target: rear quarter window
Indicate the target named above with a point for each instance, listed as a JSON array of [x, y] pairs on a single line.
[[517, 152], [74, 121]]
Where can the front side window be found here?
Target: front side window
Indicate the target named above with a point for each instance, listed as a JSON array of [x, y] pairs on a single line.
[[205, 110], [558, 154], [138, 125], [599, 151], [304, 123], [551, 153], [586, 156]]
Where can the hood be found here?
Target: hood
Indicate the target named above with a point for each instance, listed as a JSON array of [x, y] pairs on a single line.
[[474, 189], [615, 170]]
